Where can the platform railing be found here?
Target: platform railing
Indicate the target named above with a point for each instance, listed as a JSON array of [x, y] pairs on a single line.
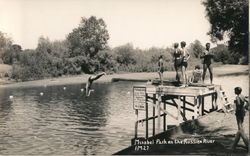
[[146, 120], [165, 112], [194, 103]]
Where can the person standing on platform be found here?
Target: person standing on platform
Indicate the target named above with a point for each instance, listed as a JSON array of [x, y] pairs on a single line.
[[160, 69], [177, 61], [184, 64], [207, 58]]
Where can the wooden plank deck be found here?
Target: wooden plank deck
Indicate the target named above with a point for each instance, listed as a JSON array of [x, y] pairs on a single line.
[[191, 90]]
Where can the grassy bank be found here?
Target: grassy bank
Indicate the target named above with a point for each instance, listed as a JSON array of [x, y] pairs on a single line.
[[5, 71], [223, 70]]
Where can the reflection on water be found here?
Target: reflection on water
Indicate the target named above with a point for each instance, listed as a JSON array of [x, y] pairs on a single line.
[[65, 121]]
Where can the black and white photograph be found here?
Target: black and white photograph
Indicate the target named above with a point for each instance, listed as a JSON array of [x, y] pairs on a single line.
[[124, 77]]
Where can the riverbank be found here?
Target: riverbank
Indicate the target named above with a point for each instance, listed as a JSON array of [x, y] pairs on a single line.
[[223, 70], [212, 134]]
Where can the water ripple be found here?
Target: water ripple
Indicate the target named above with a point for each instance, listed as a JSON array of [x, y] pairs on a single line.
[[65, 121]]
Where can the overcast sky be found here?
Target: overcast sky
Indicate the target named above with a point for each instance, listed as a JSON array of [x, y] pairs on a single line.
[[145, 23]]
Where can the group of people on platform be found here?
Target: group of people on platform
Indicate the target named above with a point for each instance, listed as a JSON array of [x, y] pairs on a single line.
[[181, 59]]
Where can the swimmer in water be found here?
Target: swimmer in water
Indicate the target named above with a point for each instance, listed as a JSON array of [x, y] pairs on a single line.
[[90, 81]]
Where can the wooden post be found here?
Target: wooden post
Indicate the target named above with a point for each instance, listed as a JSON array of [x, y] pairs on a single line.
[[136, 123], [215, 100], [146, 116], [164, 117], [184, 106], [136, 128], [212, 102], [159, 114], [195, 108], [154, 101], [202, 105], [178, 111]]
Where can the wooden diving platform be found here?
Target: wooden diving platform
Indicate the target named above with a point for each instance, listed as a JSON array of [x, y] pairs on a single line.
[[159, 103], [191, 90], [183, 99]]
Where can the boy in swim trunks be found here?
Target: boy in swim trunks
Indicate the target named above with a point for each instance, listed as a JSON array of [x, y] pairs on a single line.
[[90, 81], [207, 63], [160, 68], [184, 64], [177, 61], [240, 103]]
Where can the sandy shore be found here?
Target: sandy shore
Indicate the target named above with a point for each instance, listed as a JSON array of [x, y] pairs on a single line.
[[225, 70], [216, 132]]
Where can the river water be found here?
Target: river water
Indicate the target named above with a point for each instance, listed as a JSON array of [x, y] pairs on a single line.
[[66, 122]]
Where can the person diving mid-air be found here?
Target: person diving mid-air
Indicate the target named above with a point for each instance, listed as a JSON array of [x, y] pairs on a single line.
[[90, 81]]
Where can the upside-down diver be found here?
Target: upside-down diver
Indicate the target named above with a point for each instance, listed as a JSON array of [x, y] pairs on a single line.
[[90, 81]]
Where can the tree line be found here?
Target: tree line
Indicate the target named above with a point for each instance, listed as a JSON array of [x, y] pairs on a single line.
[[86, 49], [58, 58]]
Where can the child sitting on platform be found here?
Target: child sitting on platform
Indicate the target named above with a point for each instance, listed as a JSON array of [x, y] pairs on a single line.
[[241, 105], [196, 75]]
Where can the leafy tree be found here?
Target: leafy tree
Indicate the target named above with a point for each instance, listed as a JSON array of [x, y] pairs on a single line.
[[25, 57], [60, 49], [229, 18], [107, 61], [5, 43], [29, 66], [85, 41], [53, 56], [44, 45], [12, 54], [221, 53], [90, 37], [125, 54], [196, 48], [43, 52]]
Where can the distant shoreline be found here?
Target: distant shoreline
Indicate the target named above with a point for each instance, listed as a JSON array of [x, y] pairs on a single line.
[[223, 70]]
